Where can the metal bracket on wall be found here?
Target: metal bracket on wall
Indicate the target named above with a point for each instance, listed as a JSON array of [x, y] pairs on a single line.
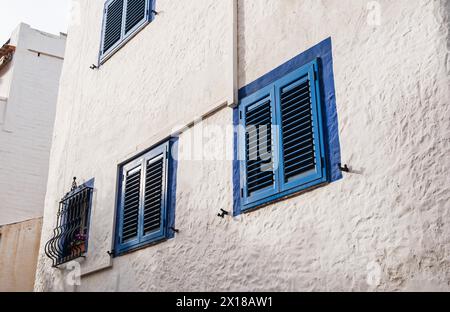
[[344, 169], [223, 213]]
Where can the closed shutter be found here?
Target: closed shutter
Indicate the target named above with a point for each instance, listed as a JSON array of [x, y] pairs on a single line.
[[259, 140], [112, 32], [121, 21], [302, 150], [135, 14], [131, 205], [153, 202], [292, 105], [143, 215], [297, 130], [258, 147]]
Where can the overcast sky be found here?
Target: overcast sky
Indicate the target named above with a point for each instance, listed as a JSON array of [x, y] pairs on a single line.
[[46, 15]]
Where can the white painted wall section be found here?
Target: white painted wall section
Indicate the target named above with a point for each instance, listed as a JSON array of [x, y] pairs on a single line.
[[28, 89], [392, 218]]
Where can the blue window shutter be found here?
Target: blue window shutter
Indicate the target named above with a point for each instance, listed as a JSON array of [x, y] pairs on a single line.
[[143, 200], [155, 197], [258, 142], [136, 14], [292, 104], [301, 133], [131, 205], [112, 25], [121, 21]]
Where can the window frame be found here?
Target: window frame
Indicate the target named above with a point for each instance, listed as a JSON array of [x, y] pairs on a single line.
[[305, 183], [124, 37], [141, 241]]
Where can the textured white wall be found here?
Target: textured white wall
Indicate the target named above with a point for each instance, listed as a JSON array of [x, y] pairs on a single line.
[[30, 85], [392, 100]]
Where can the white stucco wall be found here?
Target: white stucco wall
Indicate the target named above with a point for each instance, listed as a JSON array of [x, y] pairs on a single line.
[[29, 85], [389, 217]]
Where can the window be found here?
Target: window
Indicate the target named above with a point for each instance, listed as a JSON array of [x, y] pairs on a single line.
[[145, 204], [121, 21], [70, 236], [282, 138]]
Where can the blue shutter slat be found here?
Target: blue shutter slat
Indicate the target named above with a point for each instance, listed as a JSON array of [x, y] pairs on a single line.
[[136, 13], [296, 95], [131, 206], [297, 130]]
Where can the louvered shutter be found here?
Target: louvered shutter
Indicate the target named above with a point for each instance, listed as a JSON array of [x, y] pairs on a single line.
[[112, 32], [143, 207], [154, 193], [292, 105], [131, 205], [301, 128], [297, 130], [259, 144], [136, 14]]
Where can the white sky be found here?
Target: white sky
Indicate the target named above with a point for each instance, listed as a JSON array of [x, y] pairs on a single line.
[[47, 15]]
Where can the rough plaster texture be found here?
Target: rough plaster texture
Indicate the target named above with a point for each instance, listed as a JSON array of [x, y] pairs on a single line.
[[19, 249], [29, 85], [387, 222]]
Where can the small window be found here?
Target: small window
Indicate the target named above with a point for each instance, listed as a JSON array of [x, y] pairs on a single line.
[[144, 214], [282, 139], [121, 21], [70, 236]]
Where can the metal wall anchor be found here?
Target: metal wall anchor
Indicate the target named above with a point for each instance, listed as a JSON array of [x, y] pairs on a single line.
[[223, 213]]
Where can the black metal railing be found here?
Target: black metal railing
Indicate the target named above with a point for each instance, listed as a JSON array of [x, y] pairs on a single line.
[[69, 239]]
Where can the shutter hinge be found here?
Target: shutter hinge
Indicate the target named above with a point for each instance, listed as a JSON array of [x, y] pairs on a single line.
[[314, 75], [242, 192], [323, 162], [240, 114]]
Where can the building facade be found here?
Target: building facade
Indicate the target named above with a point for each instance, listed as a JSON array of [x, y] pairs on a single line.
[[162, 107], [30, 68]]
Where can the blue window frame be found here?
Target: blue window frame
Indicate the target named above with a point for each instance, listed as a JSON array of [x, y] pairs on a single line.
[[281, 138], [145, 213], [122, 19]]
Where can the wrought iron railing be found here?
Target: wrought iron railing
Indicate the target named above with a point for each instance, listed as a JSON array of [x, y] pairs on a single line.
[[69, 239]]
